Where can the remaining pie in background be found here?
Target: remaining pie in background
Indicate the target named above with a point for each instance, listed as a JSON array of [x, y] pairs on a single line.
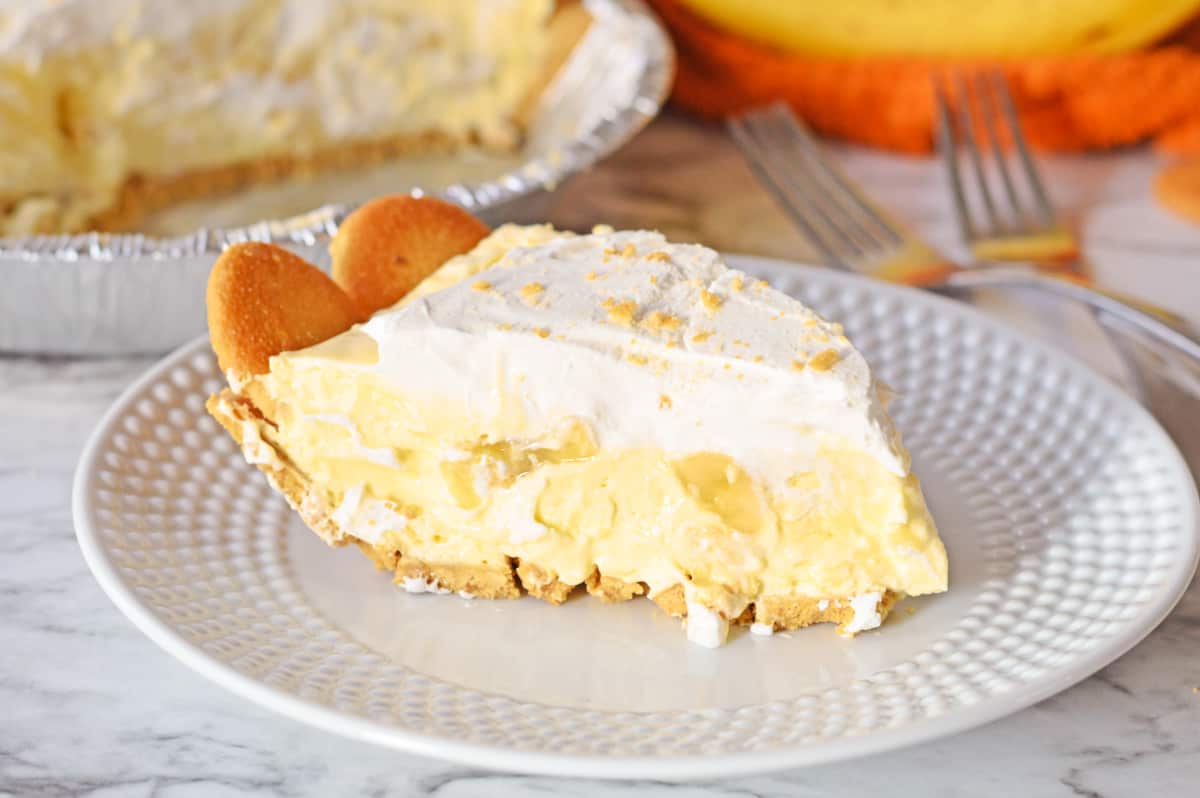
[[548, 411], [112, 109]]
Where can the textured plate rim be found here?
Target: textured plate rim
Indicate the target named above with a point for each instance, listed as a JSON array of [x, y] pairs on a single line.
[[1173, 586]]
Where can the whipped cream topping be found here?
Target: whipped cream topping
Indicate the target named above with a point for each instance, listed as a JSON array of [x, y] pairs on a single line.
[[255, 450], [366, 518], [343, 514], [413, 584], [866, 613], [652, 344], [705, 627]]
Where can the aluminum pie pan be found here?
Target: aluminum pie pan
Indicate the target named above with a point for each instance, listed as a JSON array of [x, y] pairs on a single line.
[[113, 294]]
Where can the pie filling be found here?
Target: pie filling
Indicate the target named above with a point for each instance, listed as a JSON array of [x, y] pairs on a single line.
[[398, 474]]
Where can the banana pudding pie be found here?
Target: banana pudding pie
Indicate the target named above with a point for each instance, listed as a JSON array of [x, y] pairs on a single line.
[[533, 411], [110, 110]]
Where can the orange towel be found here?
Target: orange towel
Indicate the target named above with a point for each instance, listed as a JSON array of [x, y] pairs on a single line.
[[1067, 103]]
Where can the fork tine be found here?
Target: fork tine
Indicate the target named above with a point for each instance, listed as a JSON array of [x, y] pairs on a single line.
[[875, 227], [761, 160], [826, 205], [949, 153], [769, 139], [1009, 110], [796, 166], [966, 128], [985, 91]]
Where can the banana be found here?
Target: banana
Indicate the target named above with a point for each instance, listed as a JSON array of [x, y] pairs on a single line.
[[981, 29]]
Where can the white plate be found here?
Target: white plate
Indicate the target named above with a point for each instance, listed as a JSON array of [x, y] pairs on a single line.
[[1070, 518]]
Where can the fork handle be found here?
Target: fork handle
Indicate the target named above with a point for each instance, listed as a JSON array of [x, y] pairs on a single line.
[[1162, 325], [1169, 317]]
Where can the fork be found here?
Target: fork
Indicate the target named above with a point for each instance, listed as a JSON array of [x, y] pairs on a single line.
[[1030, 230], [979, 123], [851, 233]]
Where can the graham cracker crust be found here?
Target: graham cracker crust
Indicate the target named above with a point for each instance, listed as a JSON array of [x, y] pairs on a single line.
[[502, 580]]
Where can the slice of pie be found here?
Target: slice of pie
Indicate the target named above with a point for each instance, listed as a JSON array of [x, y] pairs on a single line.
[[112, 109], [549, 411]]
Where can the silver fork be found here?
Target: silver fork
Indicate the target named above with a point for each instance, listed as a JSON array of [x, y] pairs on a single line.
[[851, 233], [977, 124]]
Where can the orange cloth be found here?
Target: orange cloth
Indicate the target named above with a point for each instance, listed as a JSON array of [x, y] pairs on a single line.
[[1067, 103]]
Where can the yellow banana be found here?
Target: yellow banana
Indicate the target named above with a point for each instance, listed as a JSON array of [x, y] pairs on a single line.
[[960, 28]]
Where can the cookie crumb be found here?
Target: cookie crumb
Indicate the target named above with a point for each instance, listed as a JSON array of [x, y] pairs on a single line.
[[660, 320], [532, 291], [621, 313], [824, 360]]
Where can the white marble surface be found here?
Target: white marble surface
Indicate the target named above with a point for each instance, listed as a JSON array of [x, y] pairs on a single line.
[[88, 706]]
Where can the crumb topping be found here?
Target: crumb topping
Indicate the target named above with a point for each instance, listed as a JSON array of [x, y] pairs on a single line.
[[659, 320], [531, 291], [710, 301], [823, 360], [621, 313], [702, 336], [659, 256], [737, 284], [664, 402], [481, 285]]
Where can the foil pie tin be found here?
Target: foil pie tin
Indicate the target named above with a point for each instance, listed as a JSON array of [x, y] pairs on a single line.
[[110, 294]]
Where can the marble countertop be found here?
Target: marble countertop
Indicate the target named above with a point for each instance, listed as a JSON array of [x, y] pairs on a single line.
[[89, 706]]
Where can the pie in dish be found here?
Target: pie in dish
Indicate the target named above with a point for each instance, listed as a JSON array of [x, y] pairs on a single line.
[[112, 109], [546, 411]]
